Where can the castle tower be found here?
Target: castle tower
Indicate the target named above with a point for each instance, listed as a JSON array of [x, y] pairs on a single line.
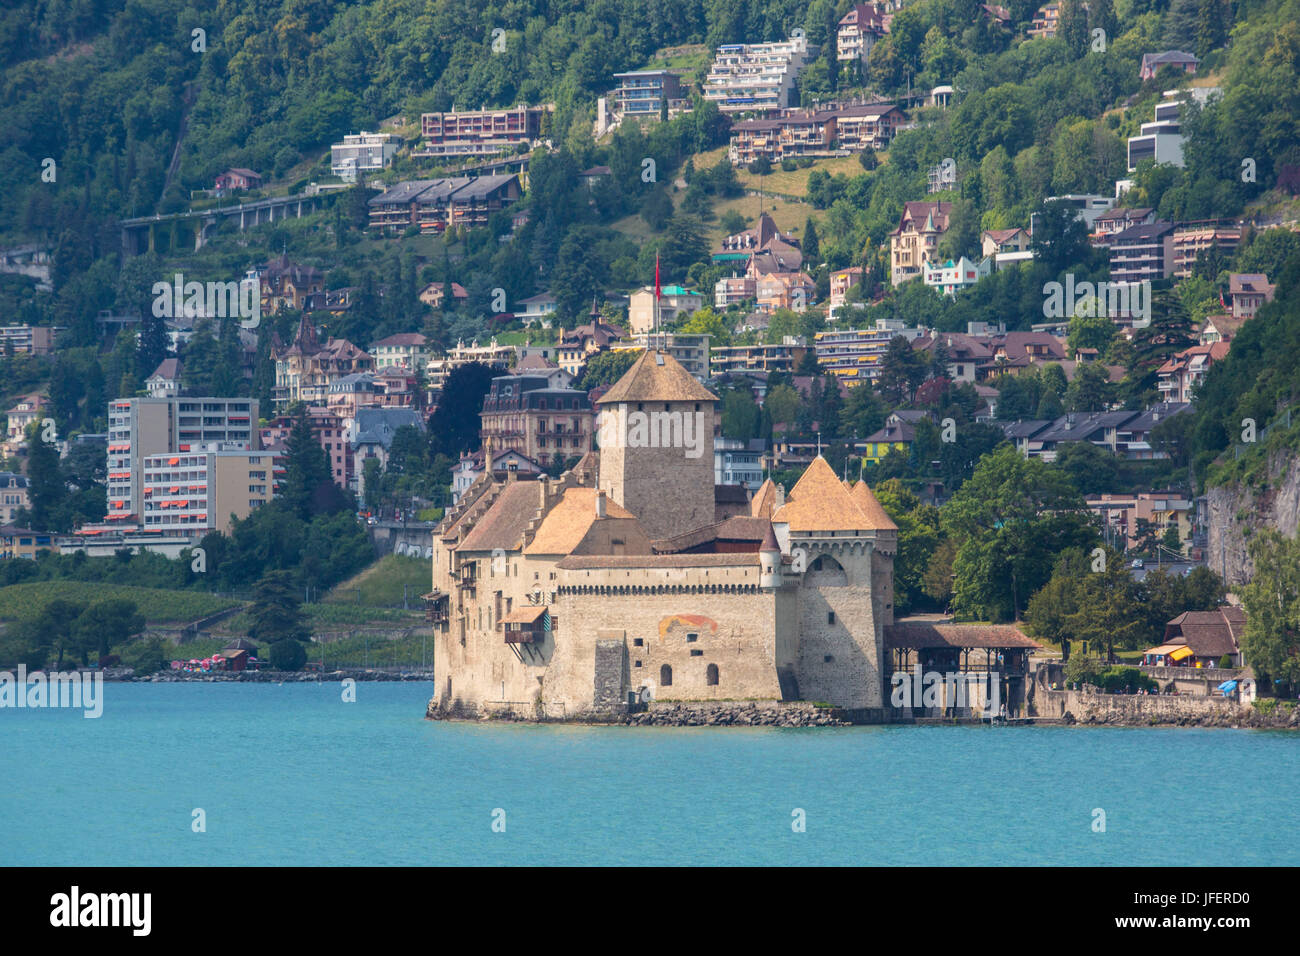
[[656, 446], [769, 559]]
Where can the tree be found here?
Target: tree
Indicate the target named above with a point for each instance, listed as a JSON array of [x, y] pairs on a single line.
[[104, 625], [1007, 520], [1091, 389], [901, 370], [276, 612], [454, 427], [46, 488], [1060, 239], [811, 247], [606, 368], [1271, 642], [1090, 332], [307, 468], [287, 655]]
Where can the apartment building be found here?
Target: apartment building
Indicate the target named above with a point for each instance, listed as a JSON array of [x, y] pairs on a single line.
[[675, 302], [581, 342], [1179, 377], [13, 495], [915, 241], [785, 357], [30, 339], [1247, 292], [756, 77], [480, 132], [644, 93], [1142, 253], [204, 489], [733, 290], [785, 290], [435, 205], [952, 277], [404, 350], [1161, 510], [867, 126], [1047, 20], [305, 370], [362, 153], [524, 414], [28, 409], [1194, 239], [143, 428], [855, 354], [858, 32]]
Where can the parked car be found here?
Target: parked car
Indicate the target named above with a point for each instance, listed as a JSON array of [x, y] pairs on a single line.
[[1138, 563]]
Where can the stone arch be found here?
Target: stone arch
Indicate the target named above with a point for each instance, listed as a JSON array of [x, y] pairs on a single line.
[[711, 675], [825, 571], [666, 676]]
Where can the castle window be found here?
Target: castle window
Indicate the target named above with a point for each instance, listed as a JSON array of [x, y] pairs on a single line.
[[695, 652], [711, 675], [637, 664], [692, 638], [638, 642], [830, 617], [828, 658], [666, 676]]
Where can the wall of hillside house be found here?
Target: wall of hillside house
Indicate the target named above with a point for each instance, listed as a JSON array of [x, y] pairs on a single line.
[[734, 631], [840, 635]]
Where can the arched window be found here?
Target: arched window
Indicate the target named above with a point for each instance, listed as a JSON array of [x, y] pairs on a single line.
[[711, 675], [666, 676]]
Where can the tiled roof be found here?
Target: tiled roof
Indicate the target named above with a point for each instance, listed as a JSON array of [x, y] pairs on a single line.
[[657, 377], [579, 562], [504, 523], [820, 502], [569, 521], [916, 635], [1208, 633], [872, 508], [764, 500]]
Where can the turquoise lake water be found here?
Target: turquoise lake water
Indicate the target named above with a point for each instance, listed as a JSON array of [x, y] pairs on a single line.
[[293, 775]]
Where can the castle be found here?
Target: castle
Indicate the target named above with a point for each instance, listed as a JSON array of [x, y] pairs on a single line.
[[618, 583]]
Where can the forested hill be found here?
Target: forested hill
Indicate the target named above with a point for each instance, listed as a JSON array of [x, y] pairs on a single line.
[[100, 85]]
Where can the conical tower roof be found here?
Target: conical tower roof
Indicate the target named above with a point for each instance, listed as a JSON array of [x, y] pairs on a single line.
[[870, 506], [656, 377], [820, 502]]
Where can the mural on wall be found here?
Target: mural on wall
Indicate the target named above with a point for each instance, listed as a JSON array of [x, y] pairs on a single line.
[[682, 624]]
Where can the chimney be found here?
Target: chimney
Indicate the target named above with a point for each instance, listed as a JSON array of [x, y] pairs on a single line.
[[600, 504]]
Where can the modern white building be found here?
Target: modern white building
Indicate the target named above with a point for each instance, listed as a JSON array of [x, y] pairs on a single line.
[[756, 77], [362, 152], [951, 277]]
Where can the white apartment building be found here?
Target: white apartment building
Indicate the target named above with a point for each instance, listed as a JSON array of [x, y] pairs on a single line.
[[756, 77], [362, 152]]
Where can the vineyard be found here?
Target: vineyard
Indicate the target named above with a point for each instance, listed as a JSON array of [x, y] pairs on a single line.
[[18, 601]]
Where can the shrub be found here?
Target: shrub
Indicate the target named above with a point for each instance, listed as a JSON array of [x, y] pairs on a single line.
[[1226, 661], [1124, 680], [288, 655], [789, 165], [1082, 669], [146, 655], [804, 162]]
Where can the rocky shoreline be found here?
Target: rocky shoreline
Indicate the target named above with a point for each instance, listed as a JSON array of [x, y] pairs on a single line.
[[268, 677], [668, 715], [1279, 719]]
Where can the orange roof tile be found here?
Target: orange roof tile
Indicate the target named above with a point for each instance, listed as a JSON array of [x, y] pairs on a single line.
[[569, 521], [872, 508], [657, 377], [820, 502]]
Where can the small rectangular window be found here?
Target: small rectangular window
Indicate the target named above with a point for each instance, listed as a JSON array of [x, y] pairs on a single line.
[[830, 617], [696, 653]]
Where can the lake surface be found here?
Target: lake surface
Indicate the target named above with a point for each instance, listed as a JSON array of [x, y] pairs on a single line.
[[293, 775]]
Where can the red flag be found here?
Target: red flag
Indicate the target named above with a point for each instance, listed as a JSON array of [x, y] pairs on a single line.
[[656, 277], [1221, 302]]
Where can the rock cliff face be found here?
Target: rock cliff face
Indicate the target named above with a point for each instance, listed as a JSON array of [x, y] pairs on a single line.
[[1236, 511]]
